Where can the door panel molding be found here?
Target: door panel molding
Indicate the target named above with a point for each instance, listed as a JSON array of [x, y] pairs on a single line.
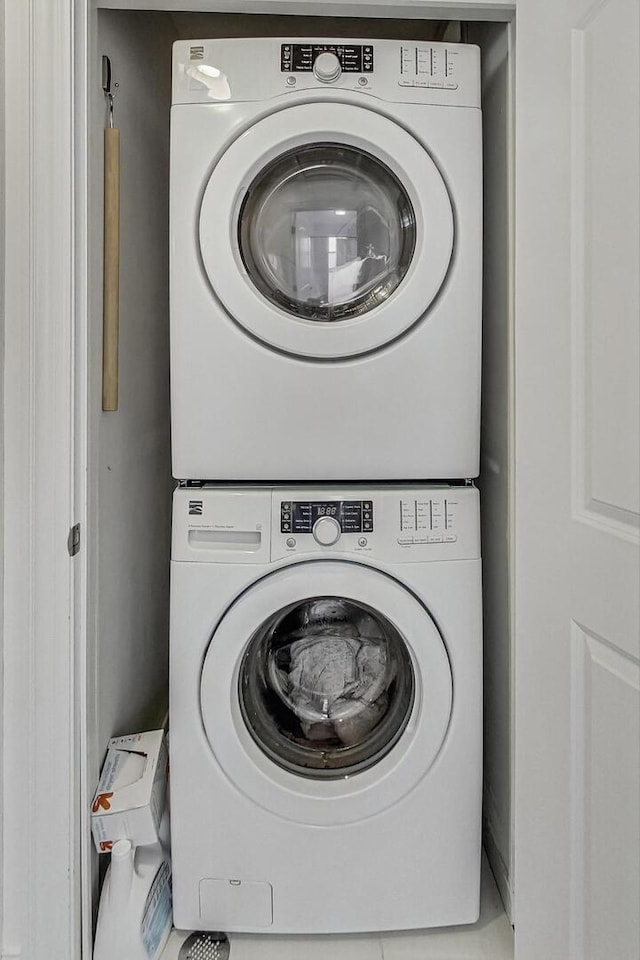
[[605, 250], [604, 749]]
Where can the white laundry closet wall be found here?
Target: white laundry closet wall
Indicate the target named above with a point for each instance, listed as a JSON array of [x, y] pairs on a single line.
[[129, 449], [129, 464]]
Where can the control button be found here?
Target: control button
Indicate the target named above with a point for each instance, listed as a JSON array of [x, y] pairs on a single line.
[[449, 539], [326, 531], [436, 84], [285, 505], [450, 85], [291, 81], [367, 526], [286, 527], [362, 542], [405, 541], [327, 67], [367, 505], [435, 539], [421, 540], [405, 83], [291, 542], [363, 81]]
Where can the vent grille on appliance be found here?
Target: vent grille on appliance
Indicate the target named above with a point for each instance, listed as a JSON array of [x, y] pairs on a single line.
[[205, 946]]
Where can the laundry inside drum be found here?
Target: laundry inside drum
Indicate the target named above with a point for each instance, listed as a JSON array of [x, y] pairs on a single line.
[[326, 232], [326, 687]]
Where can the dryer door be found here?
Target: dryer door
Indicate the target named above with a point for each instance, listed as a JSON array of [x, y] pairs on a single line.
[[326, 680], [326, 230]]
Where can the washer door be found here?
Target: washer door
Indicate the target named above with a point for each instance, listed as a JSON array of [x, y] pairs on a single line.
[[326, 230], [326, 680]]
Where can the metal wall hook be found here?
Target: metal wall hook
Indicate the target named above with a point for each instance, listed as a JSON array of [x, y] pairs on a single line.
[[109, 87]]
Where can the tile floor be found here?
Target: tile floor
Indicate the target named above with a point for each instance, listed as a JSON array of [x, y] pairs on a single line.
[[491, 938]]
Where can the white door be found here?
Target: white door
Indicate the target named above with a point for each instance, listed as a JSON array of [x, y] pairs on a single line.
[[577, 481], [319, 242], [319, 671]]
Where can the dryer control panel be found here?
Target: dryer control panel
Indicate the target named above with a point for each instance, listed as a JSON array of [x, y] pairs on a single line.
[[350, 57], [421, 72]]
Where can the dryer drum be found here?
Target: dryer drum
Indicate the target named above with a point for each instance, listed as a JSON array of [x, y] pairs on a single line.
[[326, 687], [326, 232]]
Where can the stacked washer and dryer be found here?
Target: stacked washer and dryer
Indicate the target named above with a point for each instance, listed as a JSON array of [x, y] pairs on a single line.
[[326, 641]]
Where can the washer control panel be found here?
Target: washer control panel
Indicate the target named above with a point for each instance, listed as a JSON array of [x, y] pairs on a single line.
[[401, 524], [262, 525], [429, 519], [303, 516]]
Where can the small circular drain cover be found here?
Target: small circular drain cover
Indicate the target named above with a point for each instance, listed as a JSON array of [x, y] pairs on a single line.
[[210, 945]]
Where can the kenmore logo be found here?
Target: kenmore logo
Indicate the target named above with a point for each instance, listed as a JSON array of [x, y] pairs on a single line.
[[195, 508], [196, 53]]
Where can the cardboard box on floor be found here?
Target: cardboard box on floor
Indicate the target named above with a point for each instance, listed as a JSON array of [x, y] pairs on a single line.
[[130, 798]]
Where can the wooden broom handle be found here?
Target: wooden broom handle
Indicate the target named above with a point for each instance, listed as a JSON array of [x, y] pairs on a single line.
[[111, 275]]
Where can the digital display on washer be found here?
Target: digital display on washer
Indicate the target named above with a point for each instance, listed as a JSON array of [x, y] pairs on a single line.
[[300, 57], [299, 516]]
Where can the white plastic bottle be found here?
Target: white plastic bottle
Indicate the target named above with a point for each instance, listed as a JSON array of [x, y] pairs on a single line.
[[135, 914]]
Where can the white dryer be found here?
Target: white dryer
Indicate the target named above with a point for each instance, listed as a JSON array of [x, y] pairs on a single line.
[[325, 260], [326, 718]]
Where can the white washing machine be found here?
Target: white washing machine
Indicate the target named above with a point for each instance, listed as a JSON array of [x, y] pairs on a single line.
[[325, 260], [326, 719]]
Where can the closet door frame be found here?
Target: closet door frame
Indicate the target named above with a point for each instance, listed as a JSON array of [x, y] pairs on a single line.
[[43, 633]]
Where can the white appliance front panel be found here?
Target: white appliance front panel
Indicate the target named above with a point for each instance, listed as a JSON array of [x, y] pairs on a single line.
[[242, 410], [382, 854]]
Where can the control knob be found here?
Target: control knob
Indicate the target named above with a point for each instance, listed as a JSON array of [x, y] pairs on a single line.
[[326, 531], [327, 67]]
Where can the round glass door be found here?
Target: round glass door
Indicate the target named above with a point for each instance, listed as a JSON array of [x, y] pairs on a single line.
[[325, 680], [326, 687], [326, 232]]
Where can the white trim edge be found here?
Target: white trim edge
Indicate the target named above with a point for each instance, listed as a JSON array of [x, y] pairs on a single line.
[[40, 759]]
